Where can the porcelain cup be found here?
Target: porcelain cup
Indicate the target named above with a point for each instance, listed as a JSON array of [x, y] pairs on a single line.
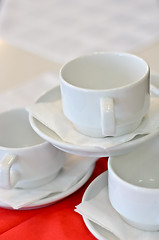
[[133, 185], [26, 160], [105, 94]]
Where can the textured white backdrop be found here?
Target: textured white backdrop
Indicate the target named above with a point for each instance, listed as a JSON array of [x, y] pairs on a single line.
[[63, 29]]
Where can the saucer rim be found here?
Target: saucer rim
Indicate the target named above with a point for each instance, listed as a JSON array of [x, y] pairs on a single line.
[[60, 144], [49, 200], [77, 149], [89, 224]]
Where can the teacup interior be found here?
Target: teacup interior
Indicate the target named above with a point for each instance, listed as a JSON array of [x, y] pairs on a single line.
[[139, 167], [15, 130], [104, 71]]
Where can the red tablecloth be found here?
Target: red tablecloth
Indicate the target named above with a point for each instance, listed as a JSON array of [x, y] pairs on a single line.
[[57, 222]]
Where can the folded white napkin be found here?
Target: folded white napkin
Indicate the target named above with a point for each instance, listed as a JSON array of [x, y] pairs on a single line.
[[100, 211], [73, 170], [52, 116]]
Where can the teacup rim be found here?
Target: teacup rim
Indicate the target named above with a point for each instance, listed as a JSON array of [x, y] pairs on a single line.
[[126, 183], [13, 149], [125, 87]]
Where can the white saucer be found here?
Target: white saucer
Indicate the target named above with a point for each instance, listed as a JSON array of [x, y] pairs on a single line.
[[100, 183], [96, 186], [55, 197], [50, 136]]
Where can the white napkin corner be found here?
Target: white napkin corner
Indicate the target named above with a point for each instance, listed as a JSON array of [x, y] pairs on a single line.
[[52, 116], [100, 211], [74, 169]]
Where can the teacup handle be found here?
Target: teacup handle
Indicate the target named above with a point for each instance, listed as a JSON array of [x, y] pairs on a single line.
[[107, 116], [5, 165]]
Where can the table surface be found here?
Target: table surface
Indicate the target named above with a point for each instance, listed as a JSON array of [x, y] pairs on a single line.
[[58, 221], [18, 66]]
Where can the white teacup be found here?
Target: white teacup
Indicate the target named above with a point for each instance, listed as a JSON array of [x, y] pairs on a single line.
[[26, 160], [105, 94], [133, 184]]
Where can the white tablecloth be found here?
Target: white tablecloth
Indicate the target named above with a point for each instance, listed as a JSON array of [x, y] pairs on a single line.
[[63, 29], [26, 94]]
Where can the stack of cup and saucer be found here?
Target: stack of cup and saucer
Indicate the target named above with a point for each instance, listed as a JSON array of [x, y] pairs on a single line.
[[33, 172], [102, 108]]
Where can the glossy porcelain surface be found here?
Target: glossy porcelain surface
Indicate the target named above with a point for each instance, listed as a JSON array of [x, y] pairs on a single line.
[[26, 160], [105, 94], [53, 95], [54, 197], [133, 182], [93, 189]]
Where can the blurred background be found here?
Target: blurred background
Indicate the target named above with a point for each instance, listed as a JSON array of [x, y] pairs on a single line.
[[38, 36], [63, 29]]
